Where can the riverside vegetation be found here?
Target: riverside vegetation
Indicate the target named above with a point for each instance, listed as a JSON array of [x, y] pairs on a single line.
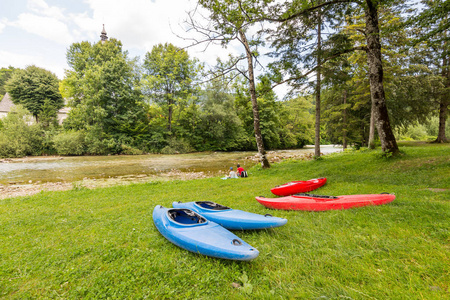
[[101, 243]]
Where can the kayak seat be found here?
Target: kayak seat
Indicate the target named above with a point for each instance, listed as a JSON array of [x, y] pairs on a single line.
[[185, 216], [211, 205], [316, 196]]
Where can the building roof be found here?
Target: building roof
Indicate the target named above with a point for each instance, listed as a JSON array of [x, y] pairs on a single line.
[[6, 104]]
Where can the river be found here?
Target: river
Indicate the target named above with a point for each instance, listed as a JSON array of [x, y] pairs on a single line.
[[37, 173]]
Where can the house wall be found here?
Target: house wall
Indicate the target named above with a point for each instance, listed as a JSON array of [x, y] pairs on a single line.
[[6, 105]]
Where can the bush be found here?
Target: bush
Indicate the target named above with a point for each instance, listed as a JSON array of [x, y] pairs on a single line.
[[416, 132], [99, 143], [69, 143], [177, 146], [19, 135], [128, 150]]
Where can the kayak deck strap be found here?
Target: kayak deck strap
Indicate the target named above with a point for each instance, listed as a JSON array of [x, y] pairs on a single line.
[[186, 216], [316, 196]]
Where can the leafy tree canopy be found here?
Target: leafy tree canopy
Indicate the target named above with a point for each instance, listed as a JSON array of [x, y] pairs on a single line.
[[5, 74], [168, 77], [32, 86], [102, 86]]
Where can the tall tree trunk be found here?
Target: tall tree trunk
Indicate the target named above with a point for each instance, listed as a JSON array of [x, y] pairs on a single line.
[[382, 123], [256, 124], [170, 118], [443, 105], [371, 142], [169, 125], [344, 121], [317, 125], [443, 112]]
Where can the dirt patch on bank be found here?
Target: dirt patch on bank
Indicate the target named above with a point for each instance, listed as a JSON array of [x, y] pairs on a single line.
[[20, 188]]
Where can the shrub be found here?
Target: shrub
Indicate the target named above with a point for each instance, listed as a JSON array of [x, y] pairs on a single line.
[[70, 143], [19, 135], [177, 146], [128, 150]]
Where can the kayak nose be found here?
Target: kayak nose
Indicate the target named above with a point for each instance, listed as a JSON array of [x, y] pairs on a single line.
[[253, 253]]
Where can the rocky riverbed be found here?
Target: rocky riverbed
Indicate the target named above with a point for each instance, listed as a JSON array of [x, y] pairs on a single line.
[[24, 187]]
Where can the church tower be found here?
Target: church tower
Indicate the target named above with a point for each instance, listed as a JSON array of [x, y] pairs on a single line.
[[103, 36]]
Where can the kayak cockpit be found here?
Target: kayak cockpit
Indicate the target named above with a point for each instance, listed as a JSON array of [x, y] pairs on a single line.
[[316, 196], [211, 205], [185, 216]]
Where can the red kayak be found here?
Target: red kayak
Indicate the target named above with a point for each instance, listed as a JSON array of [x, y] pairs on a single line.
[[320, 203], [295, 187]]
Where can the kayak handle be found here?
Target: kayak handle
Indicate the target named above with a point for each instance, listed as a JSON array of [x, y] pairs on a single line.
[[237, 242], [268, 215]]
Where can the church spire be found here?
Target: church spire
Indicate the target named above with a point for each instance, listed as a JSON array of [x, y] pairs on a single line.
[[103, 36]]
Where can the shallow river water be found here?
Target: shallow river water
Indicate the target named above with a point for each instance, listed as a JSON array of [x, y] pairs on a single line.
[[26, 173]]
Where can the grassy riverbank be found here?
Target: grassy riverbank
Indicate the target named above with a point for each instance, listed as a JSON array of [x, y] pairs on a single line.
[[102, 243]]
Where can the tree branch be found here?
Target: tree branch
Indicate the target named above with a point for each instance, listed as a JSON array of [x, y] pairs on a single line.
[[310, 9], [361, 48]]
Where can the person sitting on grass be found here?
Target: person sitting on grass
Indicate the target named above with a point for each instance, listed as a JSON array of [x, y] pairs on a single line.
[[232, 173], [239, 170]]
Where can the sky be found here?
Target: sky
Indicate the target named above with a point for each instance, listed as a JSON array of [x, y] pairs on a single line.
[[39, 32]]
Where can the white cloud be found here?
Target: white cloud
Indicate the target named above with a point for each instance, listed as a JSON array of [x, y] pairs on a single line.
[[2, 26], [46, 27], [141, 24], [87, 27], [41, 7], [18, 60]]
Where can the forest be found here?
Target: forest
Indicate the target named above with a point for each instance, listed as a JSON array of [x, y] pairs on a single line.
[[359, 73]]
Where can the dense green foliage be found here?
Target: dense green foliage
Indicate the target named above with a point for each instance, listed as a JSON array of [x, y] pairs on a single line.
[[166, 103], [102, 243], [5, 74], [19, 134], [34, 87], [70, 143], [168, 78], [106, 105]]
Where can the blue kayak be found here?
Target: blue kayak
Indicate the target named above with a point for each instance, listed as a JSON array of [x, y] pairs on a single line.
[[232, 219], [189, 230]]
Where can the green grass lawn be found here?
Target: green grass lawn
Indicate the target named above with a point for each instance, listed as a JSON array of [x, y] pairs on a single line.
[[102, 243]]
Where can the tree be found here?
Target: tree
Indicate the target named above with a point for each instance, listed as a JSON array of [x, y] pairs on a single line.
[[103, 88], [229, 23], [48, 115], [168, 79], [220, 125], [318, 85], [32, 87], [295, 10], [5, 74], [346, 79], [433, 25], [297, 122], [20, 135], [270, 110]]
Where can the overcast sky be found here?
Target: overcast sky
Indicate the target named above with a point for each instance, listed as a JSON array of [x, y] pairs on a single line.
[[39, 32]]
